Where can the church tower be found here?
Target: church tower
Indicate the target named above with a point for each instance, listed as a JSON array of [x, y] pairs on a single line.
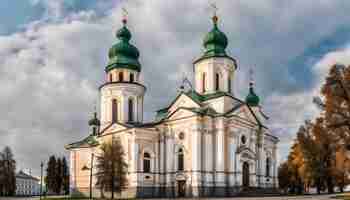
[[214, 70], [122, 94]]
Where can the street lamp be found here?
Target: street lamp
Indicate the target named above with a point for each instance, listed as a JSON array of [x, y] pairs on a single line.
[[87, 168], [41, 179]]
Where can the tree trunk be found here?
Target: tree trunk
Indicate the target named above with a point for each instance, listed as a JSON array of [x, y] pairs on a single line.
[[318, 186], [330, 187]]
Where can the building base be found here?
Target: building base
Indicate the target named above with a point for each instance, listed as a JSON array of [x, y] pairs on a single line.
[[171, 192]]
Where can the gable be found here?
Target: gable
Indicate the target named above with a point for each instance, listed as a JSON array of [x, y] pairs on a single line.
[[183, 101], [181, 113], [245, 113], [115, 127]]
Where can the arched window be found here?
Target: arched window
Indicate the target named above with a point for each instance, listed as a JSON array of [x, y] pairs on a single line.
[[131, 110], [110, 78], [131, 78], [121, 77], [180, 160], [217, 81], [268, 167], [204, 77], [243, 139], [229, 85], [114, 110], [146, 163]]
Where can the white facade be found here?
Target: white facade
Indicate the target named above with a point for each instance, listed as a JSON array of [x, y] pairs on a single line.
[[27, 185], [206, 142]]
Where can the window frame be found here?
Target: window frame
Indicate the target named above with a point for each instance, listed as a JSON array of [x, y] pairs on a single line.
[[146, 162], [204, 80], [180, 160], [217, 81], [131, 110], [115, 110], [121, 77]]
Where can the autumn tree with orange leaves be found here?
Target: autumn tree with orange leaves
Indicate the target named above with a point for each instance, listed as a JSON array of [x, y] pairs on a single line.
[[319, 156]]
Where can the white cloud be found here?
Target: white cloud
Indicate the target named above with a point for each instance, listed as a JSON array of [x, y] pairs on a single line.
[[50, 72]]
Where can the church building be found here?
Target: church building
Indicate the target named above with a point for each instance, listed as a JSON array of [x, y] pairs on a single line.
[[205, 142]]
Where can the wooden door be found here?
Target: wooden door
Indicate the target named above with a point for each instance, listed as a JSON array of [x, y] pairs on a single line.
[[245, 175], [181, 188]]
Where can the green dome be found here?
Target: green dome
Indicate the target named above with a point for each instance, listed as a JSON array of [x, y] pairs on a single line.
[[94, 121], [215, 42], [252, 99], [123, 54]]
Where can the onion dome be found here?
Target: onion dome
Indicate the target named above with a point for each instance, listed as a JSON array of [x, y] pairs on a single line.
[[252, 99], [215, 42], [94, 121], [123, 54]]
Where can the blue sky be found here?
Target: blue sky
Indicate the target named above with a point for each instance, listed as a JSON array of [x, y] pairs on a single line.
[[52, 56]]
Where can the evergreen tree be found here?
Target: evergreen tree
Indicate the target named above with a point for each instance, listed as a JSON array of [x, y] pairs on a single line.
[[51, 174], [65, 176], [111, 167], [7, 173], [58, 176]]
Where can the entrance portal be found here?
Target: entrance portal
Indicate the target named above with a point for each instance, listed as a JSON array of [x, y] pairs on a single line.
[[245, 175], [181, 188]]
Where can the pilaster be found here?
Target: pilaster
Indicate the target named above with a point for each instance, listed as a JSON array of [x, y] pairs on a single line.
[[220, 147]]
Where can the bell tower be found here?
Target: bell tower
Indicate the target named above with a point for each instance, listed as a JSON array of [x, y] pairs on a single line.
[[122, 94], [214, 70]]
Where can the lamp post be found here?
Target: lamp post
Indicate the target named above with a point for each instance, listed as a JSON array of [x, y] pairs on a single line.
[[112, 167], [41, 179], [90, 168]]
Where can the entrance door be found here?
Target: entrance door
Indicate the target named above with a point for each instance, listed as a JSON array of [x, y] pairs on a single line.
[[181, 189], [245, 175]]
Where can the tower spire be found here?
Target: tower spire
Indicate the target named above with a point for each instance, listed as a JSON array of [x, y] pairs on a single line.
[[215, 9]]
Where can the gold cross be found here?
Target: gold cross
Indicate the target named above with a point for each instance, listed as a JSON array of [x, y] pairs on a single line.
[[125, 12], [251, 74], [214, 7]]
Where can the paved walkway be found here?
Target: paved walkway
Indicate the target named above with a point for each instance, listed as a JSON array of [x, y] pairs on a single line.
[[307, 197]]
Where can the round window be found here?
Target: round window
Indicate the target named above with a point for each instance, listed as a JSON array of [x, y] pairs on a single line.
[[243, 139]]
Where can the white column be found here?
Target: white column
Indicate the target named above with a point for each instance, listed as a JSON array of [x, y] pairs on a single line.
[[232, 158], [208, 148], [161, 167], [220, 147], [134, 158], [156, 164], [170, 158], [196, 157]]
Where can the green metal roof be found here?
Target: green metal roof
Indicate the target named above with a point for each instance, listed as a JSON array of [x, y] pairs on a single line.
[[215, 42], [90, 141], [123, 54], [252, 99], [94, 121]]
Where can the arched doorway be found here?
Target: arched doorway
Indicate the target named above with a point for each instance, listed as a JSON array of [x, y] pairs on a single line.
[[181, 188], [245, 174]]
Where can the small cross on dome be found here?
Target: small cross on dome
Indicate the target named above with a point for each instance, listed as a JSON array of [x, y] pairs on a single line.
[[251, 77], [125, 15], [215, 9]]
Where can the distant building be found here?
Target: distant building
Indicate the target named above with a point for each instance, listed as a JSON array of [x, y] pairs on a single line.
[[27, 185]]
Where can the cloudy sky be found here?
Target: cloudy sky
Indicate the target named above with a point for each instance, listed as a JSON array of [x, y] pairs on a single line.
[[53, 54]]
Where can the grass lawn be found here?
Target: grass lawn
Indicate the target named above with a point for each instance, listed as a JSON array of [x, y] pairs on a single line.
[[64, 198]]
